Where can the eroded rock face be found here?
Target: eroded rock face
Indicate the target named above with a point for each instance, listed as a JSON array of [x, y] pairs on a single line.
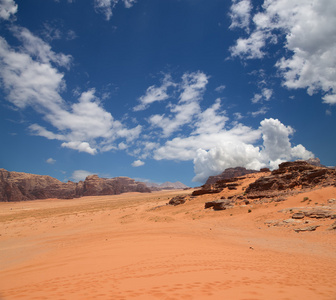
[[18, 186], [229, 173], [289, 176]]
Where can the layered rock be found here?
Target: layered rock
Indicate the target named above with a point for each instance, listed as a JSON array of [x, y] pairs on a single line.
[[218, 186], [177, 200], [296, 175], [18, 186], [229, 173], [219, 204]]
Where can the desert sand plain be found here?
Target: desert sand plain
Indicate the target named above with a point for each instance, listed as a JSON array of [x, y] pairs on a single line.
[[134, 246]]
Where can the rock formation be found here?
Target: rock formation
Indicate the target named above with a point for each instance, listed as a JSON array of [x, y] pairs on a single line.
[[18, 186], [177, 200], [218, 186], [290, 176], [219, 204], [230, 173]]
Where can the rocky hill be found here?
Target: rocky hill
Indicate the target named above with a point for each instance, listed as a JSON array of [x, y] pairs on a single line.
[[229, 173], [291, 177], [18, 186]]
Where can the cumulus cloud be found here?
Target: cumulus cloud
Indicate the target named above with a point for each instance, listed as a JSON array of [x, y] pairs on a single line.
[[185, 148], [276, 148], [80, 175], [8, 8], [307, 31], [138, 163], [31, 79]]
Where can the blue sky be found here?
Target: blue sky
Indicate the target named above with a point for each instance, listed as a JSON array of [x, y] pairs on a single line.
[[169, 90]]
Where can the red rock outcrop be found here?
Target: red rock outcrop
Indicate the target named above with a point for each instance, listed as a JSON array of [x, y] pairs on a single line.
[[18, 186], [229, 173], [290, 176]]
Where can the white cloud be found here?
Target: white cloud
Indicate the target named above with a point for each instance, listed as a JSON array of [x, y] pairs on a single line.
[[220, 88], [192, 88], [225, 155], [185, 148], [129, 3], [275, 149], [212, 120], [30, 79], [261, 111], [50, 161], [138, 163], [252, 46], [80, 146], [106, 7], [8, 8], [80, 175], [240, 14], [40, 50], [308, 29], [265, 95], [154, 94]]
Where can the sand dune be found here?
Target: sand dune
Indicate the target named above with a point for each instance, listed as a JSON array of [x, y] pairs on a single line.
[[133, 246]]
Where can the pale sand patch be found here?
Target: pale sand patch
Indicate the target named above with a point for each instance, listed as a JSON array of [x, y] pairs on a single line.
[[132, 246]]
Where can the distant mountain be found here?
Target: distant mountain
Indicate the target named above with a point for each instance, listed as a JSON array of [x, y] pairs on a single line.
[[18, 186], [166, 186]]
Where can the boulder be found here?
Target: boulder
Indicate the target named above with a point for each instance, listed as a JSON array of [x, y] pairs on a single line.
[[332, 226], [318, 213], [308, 228], [298, 215], [177, 200]]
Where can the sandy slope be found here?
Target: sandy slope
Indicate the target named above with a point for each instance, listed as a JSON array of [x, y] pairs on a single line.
[[131, 247]]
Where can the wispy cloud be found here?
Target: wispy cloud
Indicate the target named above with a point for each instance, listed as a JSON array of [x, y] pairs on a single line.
[[106, 7], [31, 79], [154, 93]]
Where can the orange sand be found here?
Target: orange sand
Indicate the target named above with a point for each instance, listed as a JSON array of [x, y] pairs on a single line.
[[132, 246]]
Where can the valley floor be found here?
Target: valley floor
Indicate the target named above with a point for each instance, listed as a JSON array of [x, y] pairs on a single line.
[[133, 246]]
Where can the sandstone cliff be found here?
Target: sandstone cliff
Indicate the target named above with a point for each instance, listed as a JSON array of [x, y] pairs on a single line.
[[229, 173], [291, 177], [18, 186]]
